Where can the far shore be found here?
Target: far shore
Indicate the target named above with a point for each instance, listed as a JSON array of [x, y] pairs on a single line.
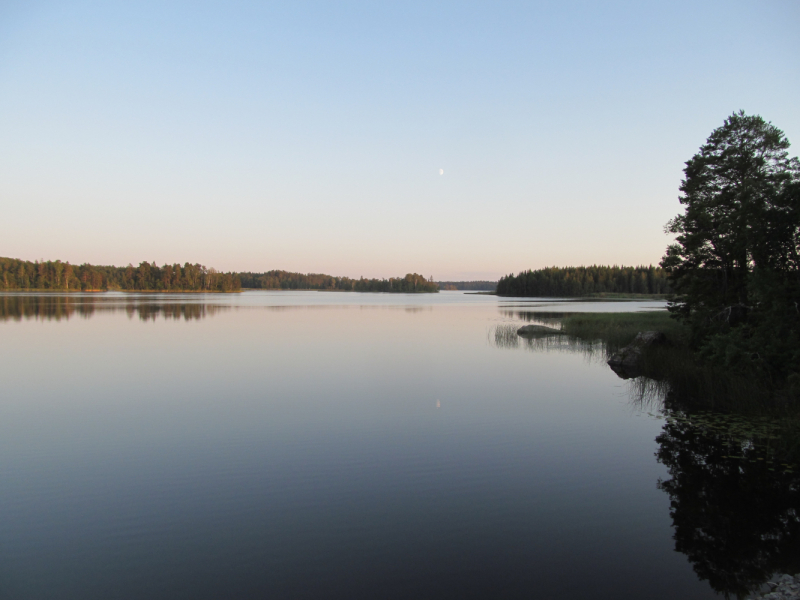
[[51, 290]]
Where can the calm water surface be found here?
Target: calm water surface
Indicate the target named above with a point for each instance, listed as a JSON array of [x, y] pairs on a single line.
[[321, 445]]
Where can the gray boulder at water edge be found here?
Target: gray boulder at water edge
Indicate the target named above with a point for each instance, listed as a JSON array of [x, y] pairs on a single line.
[[627, 362], [780, 587], [531, 330]]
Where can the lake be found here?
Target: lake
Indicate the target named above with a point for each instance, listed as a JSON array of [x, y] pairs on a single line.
[[327, 445]]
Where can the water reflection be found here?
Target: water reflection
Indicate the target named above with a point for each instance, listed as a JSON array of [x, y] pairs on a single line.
[[734, 505], [734, 497], [279, 446], [16, 307]]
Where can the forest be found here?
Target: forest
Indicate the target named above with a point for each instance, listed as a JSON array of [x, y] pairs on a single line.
[[20, 275], [284, 280], [483, 286], [585, 281]]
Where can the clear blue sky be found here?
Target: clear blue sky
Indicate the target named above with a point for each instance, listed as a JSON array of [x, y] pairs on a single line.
[[309, 136]]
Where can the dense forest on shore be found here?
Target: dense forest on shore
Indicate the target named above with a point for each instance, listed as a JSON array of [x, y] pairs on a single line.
[[23, 275], [480, 286], [284, 280], [584, 281], [18, 275]]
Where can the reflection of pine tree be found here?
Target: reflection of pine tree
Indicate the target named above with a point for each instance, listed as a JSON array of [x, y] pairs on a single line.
[[734, 516]]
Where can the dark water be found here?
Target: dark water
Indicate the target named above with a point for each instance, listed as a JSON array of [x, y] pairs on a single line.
[[323, 445]]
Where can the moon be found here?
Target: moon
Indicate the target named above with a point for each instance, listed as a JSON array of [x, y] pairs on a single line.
[[441, 171]]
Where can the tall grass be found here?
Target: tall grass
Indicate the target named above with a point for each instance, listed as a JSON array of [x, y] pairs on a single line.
[[616, 330], [505, 336]]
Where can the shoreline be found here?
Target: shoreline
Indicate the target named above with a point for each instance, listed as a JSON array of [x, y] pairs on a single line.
[[52, 291]]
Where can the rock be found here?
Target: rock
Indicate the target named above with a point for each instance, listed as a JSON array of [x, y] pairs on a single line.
[[627, 362], [783, 587], [530, 330]]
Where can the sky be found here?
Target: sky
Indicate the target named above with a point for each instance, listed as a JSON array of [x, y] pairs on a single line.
[[312, 136]]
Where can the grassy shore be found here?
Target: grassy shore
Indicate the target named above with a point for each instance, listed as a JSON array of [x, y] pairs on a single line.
[[618, 329], [675, 365], [677, 376]]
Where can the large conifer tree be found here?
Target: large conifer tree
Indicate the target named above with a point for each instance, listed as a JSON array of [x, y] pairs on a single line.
[[734, 265]]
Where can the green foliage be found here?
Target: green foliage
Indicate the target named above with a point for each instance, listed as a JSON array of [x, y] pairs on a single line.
[[570, 282], [735, 266], [25, 275], [284, 280]]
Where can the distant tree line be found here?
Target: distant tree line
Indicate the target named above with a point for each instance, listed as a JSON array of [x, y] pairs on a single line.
[[20, 275], [284, 280], [484, 286], [583, 281], [56, 275]]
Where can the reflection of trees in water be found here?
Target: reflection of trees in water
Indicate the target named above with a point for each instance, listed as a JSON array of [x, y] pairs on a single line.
[[58, 307], [733, 503], [187, 312], [734, 496], [18, 307]]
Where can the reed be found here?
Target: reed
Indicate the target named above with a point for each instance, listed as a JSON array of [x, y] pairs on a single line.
[[677, 378], [616, 330], [505, 336]]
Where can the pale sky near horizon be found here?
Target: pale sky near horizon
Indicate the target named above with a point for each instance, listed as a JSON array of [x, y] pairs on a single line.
[[310, 136]]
